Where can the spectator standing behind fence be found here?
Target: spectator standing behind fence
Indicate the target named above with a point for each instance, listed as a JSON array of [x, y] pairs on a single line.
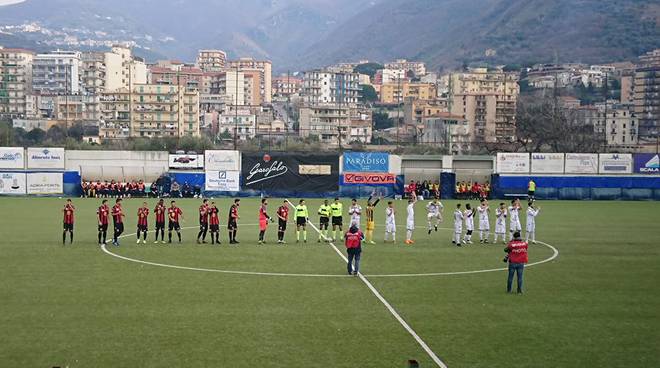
[[175, 190], [517, 258], [353, 240]]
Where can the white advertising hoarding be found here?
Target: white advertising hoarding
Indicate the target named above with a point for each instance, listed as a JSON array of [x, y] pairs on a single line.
[[45, 158], [186, 161], [581, 163], [222, 160], [513, 163], [548, 163], [45, 183], [615, 163], [222, 181], [12, 183], [12, 158]]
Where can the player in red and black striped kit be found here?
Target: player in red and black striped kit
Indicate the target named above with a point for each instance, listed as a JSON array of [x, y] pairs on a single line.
[[203, 222], [232, 222], [173, 214], [118, 221], [68, 211], [142, 225], [214, 222], [283, 217], [159, 211], [103, 212]]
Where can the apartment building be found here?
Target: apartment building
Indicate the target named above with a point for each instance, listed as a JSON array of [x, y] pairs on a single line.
[[487, 100], [211, 60], [415, 110], [68, 109], [418, 68], [241, 123], [392, 93], [149, 110], [57, 73], [622, 127], [265, 70], [646, 96], [101, 71], [387, 76], [323, 87], [325, 122], [134, 70], [190, 78], [443, 129], [15, 82], [285, 86]]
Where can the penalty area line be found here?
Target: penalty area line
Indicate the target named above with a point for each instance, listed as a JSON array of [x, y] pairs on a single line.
[[387, 305]]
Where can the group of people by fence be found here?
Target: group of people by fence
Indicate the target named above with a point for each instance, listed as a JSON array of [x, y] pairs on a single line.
[[472, 190], [113, 189], [424, 189]]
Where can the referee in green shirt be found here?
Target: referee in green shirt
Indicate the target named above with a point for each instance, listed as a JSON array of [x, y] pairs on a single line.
[[324, 220], [336, 210], [302, 215]]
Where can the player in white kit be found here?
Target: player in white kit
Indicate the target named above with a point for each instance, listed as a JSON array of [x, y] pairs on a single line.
[[410, 220], [458, 225], [434, 213], [514, 218], [390, 222], [532, 212], [500, 223], [469, 223], [484, 222], [355, 211]]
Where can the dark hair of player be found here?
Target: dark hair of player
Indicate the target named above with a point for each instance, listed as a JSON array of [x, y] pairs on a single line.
[[263, 200], [302, 201], [513, 201], [68, 200], [118, 200], [236, 200], [482, 200], [467, 206], [205, 200], [354, 200], [104, 201], [501, 203], [390, 202], [173, 202], [458, 205], [336, 198]]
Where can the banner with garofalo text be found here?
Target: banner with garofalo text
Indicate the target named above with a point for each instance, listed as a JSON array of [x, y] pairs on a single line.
[[45, 158], [222, 160], [513, 163], [222, 181], [12, 183], [301, 172], [45, 183], [12, 158]]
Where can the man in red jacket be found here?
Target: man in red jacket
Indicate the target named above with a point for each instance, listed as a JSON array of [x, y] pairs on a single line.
[[517, 257], [353, 240]]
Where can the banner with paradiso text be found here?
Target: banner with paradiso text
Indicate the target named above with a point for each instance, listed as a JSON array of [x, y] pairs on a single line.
[[364, 162], [296, 172]]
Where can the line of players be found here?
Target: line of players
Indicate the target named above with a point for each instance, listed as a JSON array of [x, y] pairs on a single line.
[[330, 217]]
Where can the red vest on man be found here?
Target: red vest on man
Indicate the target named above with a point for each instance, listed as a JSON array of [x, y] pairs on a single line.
[[353, 240], [517, 251]]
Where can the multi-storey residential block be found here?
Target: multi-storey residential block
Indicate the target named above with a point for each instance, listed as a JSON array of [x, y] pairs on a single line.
[[15, 82], [323, 87], [265, 70], [417, 67], [327, 121], [446, 130], [285, 86], [110, 70], [387, 76], [150, 110], [415, 110], [56, 73], [396, 92], [211, 60], [240, 122], [646, 96], [487, 100], [188, 77], [134, 70], [621, 128], [68, 109]]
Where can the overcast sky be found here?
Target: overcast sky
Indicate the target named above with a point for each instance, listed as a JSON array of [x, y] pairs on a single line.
[[7, 2]]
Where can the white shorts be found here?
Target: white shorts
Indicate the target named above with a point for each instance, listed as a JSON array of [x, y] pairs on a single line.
[[390, 228], [484, 225], [531, 227], [500, 228], [458, 228], [432, 216], [515, 226], [410, 225], [469, 226]]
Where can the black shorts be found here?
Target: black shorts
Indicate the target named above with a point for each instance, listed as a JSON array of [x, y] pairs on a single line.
[[142, 227], [337, 220], [119, 227], [160, 225], [203, 226], [103, 227], [174, 226], [215, 228], [324, 220], [281, 225], [530, 193], [301, 221], [68, 227], [232, 225]]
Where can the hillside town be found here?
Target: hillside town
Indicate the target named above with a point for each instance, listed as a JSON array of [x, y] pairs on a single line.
[[112, 95]]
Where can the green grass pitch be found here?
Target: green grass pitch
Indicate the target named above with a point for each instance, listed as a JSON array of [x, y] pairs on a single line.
[[596, 305]]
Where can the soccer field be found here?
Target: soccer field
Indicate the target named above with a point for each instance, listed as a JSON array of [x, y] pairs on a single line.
[[596, 304]]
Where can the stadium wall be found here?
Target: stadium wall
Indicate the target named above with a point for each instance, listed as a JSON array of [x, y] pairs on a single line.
[[118, 165]]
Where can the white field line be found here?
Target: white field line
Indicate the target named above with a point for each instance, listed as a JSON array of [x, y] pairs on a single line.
[[387, 305]]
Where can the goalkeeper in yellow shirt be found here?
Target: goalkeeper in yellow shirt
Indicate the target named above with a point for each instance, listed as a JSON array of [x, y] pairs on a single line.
[[369, 236]]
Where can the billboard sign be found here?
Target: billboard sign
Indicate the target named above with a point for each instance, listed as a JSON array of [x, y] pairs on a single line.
[[45, 158], [222, 160], [12, 183], [288, 172], [368, 179], [615, 163], [222, 181], [647, 163], [547, 163], [581, 163], [45, 183], [182, 161], [12, 158], [513, 163], [366, 162]]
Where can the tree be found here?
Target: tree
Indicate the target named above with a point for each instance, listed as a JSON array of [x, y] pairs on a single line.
[[56, 134], [369, 69], [368, 93], [76, 131], [34, 136], [382, 121]]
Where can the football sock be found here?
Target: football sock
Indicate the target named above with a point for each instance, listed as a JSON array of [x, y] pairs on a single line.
[[71, 236], [144, 235], [305, 235], [169, 236], [100, 233], [63, 237], [297, 235], [204, 235], [408, 234], [334, 234], [261, 235], [199, 234], [234, 233], [179, 235], [105, 234], [369, 235]]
